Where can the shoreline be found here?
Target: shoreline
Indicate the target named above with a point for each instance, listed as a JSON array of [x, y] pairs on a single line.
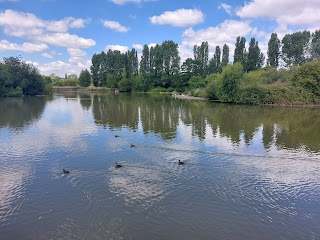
[[181, 96]]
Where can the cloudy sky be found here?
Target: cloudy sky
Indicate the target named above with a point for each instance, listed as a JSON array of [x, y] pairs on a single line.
[[60, 36]]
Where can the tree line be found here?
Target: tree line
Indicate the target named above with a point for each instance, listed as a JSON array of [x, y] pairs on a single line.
[[160, 69], [160, 66]]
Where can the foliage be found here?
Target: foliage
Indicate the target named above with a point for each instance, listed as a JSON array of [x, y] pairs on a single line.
[[125, 85], [225, 56], [240, 54], [160, 89], [308, 77], [229, 82], [212, 87], [84, 78], [294, 47], [255, 58], [315, 46], [215, 62], [274, 50], [198, 92], [19, 78], [201, 57], [197, 82]]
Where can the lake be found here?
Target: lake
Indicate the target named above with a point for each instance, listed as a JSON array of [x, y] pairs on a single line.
[[250, 172]]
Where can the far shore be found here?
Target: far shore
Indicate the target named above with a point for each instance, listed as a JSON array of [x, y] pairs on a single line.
[[178, 96]]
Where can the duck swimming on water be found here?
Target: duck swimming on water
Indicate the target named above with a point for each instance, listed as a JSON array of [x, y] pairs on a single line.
[[116, 136], [180, 163], [118, 165], [132, 145], [65, 171]]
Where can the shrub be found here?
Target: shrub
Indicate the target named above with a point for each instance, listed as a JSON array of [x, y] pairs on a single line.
[[308, 77]]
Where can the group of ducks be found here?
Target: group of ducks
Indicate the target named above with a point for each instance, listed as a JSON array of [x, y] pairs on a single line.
[[119, 165]]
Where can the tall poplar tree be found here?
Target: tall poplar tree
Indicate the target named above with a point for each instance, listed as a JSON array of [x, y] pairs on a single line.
[[215, 62], [201, 56], [240, 54], [274, 50], [255, 57], [145, 61], [225, 56]]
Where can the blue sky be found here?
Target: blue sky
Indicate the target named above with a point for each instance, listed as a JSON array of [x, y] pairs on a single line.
[[60, 36]]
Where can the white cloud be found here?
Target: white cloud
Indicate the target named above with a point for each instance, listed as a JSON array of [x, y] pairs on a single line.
[[46, 55], [64, 24], [298, 13], [120, 48], [21, 24], [185, 52], [76, 52], [66, 40], [115, 26], [60, 67], [137, 46], [25, 47], [224, 33], [122, 2], [77, 23], [179, 18], [76, 55], [227, 8]]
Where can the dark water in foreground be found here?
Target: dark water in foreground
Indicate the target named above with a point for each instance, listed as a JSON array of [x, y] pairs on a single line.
[[249, 173]]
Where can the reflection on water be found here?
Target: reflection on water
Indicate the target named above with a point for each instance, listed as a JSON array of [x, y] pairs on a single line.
[[18, 112], [250, 172]]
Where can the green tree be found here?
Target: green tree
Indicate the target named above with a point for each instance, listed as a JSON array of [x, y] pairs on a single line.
[[255, 57], [17, 78], [201, 57], [125, 84], [84, 78], [171, 58], [95, 69], [215, 62], [294, 48], [274, 45], [225, 56], [315, 46], [145, 61], [240, 54]]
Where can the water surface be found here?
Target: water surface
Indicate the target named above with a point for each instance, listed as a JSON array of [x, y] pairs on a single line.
[[250, 172]]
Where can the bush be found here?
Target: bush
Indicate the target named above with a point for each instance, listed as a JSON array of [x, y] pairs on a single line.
[[160, 89], [212, 87], [199, 92], [228, 82], [308, 77], [196, 82], [253, 95]]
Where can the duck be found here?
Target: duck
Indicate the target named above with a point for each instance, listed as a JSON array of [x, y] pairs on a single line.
[[132, 145], [65, 171], [180, 163], [118, 165], [116, 136]]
